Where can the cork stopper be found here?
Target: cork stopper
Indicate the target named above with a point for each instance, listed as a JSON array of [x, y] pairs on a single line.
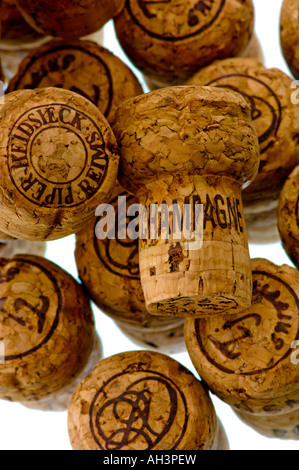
[[141, 400], [288, 216], [190, 149], [58, 161], [289, 35], [70, 19], [283, 426], [254, 49], [247, 359], [276, 120], [12, 247], [80, 66], [13, 25], [46, 330], [109, 269], [169, 41]]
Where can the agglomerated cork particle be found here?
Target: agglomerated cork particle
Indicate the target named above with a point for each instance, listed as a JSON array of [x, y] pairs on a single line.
[[196, 146], [276, 120], [108, 267], [289, 35], [46, 331], [142, 400], [70, 19], [58, 159], [80, 66], [288, 216], [169, 41], [247, 360]]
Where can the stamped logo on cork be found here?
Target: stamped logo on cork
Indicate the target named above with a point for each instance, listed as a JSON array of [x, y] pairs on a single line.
[[261, 338], [56, 156], [29, 308], [127, 412], [169, 20]]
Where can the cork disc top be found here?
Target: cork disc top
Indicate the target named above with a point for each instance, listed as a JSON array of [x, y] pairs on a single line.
[[289, 34], [141, 400], [170, 40], [185, 129], [80, 66], [46, 328], [246, 360], [58, 161], [288, 216], [275, 118]]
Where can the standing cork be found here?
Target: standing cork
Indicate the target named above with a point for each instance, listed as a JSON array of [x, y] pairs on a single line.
[[58, 161], [80, 66], [247, 359], [142, 401], [276, 120], [169, 41], [109, 269], [185, 154], [288, 216], [289, 35], [47, 332], [70, 19]]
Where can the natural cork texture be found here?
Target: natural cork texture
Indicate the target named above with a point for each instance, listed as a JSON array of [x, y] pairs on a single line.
[[69, 19], [283, 427], [289, 34], [142, 400], [276, 120], [109, 270], [247, 360], [169, 41], [254, 49], [11, 247], [13, 25], [58, 161], [83, 67], [288, 216], [191, 146], [46, 331]]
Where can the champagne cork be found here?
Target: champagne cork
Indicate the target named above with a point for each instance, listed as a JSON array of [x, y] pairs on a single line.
[[276, 120], [288, 216], [47, 332], [169, 41], [58, 161], [185, 154], [284, 427], [248, 360], [12, 247], [83, 67], [69, 19], [289, 35], [109, 269], [142, 400]]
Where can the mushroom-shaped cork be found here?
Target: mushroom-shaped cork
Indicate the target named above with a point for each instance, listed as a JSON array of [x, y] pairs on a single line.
[[185, 153]]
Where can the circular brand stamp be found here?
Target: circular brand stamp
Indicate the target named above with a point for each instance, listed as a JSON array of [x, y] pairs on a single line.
[[126, 412], [260, 339], [265, 105], [56, 156], [29, 307], [68, 66], [170, 20]]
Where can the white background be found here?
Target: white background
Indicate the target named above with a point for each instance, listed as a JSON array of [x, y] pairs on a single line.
[[26, 429]]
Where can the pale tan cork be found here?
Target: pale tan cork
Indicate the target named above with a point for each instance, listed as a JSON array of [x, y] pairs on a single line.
[[196, 146], [284, 427], [254, 49], [70, 19], [10, 247], [47, 331], [169, 41], [288, 216], [289, 34], [142, 400], [247, 359], [109, 269], [83, 67], [276, 120], [58, 160]]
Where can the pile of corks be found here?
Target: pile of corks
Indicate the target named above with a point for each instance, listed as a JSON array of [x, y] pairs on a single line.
[[209, 160]]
